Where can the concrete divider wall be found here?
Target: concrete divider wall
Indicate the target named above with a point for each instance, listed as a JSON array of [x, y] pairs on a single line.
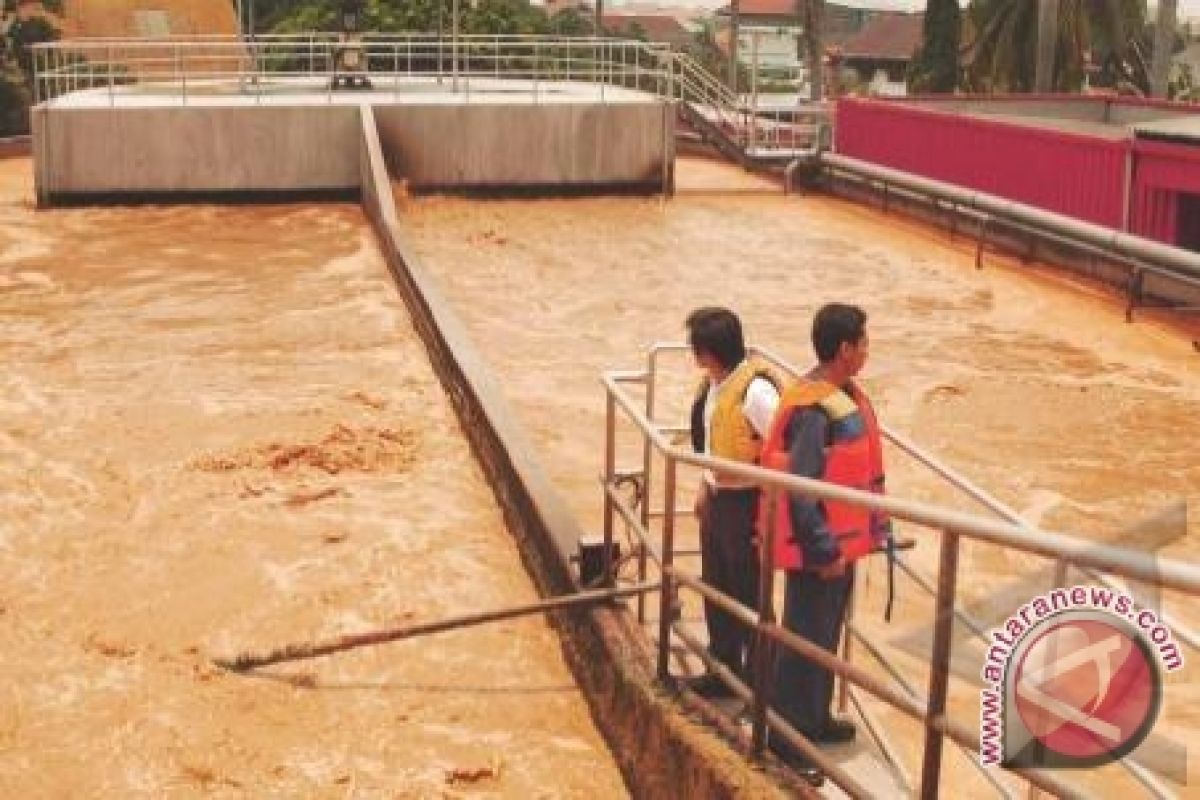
[[659, 751], [215, 147], [195, 149], [527, 145]]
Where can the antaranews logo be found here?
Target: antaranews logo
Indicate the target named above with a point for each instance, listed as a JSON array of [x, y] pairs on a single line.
[[1073, 679]]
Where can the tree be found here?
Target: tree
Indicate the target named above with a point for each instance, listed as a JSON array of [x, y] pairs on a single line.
[[17, 38], [570, 22], [1047, 45], [813, 19], [1165, 31], [934, 67], [1003, 53]]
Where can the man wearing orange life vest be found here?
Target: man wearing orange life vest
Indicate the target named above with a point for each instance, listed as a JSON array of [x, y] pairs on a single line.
[[734, 405], [825, 428]]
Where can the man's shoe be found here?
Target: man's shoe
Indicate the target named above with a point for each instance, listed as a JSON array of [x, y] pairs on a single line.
[[710, 687], [836, 731]]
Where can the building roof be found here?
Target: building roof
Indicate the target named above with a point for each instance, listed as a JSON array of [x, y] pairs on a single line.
[[765, 8], [892, 36], [657, 27]]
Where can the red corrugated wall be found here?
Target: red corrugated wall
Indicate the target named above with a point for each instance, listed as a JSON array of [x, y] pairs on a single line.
[[1163, 171], [1081, 176]]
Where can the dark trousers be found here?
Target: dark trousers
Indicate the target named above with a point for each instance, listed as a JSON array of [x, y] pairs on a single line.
[[815, 609], [729, 563]]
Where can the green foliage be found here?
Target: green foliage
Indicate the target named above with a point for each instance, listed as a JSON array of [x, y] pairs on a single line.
[[1111, 32], [14, 104], [391, 16], [571, 22], [17, 38], [23, 35], [934, 68]]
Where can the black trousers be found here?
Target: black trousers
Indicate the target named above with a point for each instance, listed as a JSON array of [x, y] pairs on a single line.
[[729, 563], [815, 609]]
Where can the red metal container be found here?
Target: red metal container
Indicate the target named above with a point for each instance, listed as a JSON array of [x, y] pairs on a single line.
[[1165, 202], [1074, 174]]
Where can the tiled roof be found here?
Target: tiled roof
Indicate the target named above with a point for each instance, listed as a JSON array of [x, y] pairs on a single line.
[[657, 27], [893, 36]]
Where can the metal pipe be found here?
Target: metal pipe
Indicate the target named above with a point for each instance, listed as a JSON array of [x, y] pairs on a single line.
[[610, 464], [1106, 239], [666, 606], [939, 674], [307, 650]]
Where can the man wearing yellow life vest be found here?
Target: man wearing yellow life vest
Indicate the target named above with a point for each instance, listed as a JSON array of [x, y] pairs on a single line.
[[733, 406], [824, 428]]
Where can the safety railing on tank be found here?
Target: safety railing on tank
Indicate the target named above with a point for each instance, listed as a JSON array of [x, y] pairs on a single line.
[[193, 69], [190, 68], [640, 517], [755, 129]]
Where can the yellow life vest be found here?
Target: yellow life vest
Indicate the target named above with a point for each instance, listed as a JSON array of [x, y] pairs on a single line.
[[733, 436]]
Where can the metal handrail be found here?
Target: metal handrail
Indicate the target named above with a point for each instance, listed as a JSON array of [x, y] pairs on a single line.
[[261, 65], [1066, 549]]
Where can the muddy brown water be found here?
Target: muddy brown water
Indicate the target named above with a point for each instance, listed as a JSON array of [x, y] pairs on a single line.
[[218, 431], [1026, 381]]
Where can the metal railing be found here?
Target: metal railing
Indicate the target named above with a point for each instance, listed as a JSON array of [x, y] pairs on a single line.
[[930, 710], [755, 130], [264, 66], [118, 71]]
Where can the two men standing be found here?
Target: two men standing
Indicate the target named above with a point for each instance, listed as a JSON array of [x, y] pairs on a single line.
[[822, 427]]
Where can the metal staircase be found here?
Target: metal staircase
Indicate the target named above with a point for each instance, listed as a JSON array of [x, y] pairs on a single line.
[[746, 133]]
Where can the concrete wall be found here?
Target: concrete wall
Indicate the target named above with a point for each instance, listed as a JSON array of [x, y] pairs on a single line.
[[153, 150], [205, 149], [527, 145]]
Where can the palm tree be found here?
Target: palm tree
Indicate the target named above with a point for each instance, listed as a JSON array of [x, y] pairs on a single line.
[[1047, 45], [1164, 45], [1003, 54]]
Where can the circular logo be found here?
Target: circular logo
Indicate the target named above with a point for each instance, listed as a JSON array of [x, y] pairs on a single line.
[[1088, 689]]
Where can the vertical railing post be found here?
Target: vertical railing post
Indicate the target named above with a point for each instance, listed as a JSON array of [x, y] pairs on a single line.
[[647, 461], [610, 474], [668, 163], [666, 606], [762, 657], [1060, 574], [939, 675]]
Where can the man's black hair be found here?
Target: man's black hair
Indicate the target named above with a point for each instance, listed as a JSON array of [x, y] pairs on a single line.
[[718, 332], [834, 325]]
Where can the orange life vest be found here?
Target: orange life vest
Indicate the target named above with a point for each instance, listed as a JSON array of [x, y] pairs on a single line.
[[855, 462]]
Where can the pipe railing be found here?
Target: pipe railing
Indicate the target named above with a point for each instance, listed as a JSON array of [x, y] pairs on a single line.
[[954, 525], [266, 65], [1141, 253], [278, 64]]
